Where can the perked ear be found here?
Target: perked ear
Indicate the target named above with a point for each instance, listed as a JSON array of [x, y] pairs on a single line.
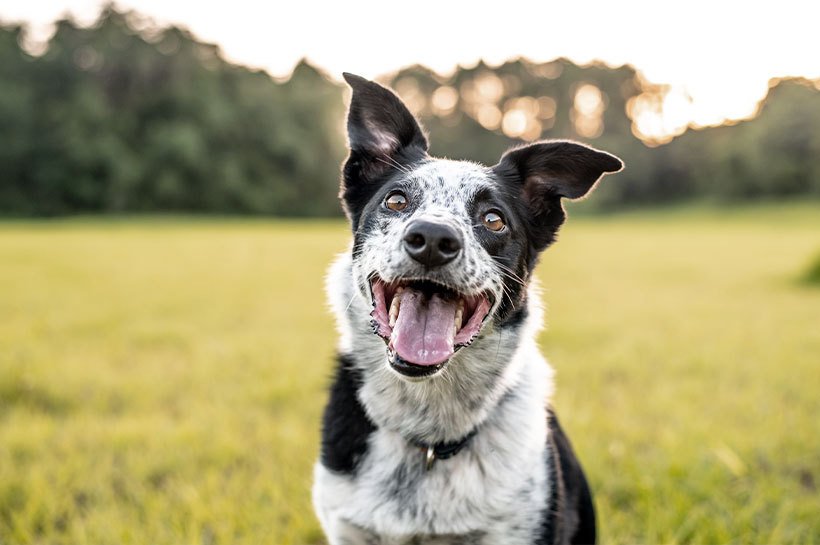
[[545, 172], [379, 126], [383, 136], [560, 168]]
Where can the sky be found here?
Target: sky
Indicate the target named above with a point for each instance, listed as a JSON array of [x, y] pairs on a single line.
[[718, 56]]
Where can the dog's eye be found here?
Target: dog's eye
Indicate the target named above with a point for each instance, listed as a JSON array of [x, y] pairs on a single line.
[[396, 201], [493, 221]]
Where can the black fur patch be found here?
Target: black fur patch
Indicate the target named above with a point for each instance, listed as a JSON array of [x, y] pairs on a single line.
[[569, 516], [345, 426], [384, 137], [510, 248], [361, 182]]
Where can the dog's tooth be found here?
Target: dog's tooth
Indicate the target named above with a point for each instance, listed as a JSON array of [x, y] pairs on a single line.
[[394, 307], [459, 316]]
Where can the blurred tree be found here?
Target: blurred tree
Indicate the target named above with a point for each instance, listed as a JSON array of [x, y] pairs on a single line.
[[126, 116], [17, 130], [477, 113], [112, 118], [773, 155]]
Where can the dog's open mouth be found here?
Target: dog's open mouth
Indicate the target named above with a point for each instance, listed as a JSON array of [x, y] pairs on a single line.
[[424, 323]]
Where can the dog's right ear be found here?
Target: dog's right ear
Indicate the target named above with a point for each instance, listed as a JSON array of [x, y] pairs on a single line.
[[383, 136], [379, 125], [546, 172]]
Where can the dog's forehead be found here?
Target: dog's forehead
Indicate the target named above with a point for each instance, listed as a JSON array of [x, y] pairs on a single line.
[[445, 182]]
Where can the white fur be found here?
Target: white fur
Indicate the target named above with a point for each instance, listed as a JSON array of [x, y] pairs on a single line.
[[495, 489]]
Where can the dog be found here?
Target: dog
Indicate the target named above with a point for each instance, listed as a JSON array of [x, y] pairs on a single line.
[[438, 428]]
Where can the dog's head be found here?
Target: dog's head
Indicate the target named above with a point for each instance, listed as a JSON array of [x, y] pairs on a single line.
[[444, 250]]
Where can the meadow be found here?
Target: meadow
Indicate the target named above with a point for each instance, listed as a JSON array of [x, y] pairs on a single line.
[[162, 379]]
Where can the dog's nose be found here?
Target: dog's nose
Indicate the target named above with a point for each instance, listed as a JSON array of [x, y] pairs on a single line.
[[431, 244]]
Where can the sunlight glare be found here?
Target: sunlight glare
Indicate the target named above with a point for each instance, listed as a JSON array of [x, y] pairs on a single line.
[[444, 99], [515, 123], [587, 111], [489, 116], [546, 107], [489, 87], [413, 97]]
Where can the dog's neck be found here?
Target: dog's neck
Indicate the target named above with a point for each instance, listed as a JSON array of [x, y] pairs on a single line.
[[449, 406]]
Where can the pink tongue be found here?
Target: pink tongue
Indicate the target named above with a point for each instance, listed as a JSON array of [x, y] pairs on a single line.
[[423, 333]]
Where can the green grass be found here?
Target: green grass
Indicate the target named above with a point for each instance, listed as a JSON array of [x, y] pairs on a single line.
[[812, 275], [162, 381]]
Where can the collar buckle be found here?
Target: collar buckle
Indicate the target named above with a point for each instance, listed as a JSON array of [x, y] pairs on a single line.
[[442, 451]]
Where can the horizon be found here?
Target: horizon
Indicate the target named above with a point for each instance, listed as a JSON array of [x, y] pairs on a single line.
[[708, 85]]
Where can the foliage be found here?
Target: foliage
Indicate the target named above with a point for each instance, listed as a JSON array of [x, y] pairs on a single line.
[[162, 381], [812, 274], [112, 119], [772, 156], [123, 116]]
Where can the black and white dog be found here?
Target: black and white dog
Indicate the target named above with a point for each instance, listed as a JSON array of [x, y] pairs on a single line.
[[439, 427]]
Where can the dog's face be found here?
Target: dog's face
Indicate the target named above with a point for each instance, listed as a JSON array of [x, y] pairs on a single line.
[[444, 250]]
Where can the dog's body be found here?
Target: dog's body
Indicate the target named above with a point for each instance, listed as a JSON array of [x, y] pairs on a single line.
[[446, 436]]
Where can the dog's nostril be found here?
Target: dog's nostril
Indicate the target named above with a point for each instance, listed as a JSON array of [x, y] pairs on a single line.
[[414, 240], [449, 246]]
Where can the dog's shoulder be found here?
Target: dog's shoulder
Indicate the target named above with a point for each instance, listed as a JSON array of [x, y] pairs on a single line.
[[570, 514], [346, 427]]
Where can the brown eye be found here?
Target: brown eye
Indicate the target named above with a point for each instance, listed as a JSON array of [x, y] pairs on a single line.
[[396, 201], [493, 221]]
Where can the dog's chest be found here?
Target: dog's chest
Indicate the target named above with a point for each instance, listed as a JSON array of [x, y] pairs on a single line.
[[488, 493]]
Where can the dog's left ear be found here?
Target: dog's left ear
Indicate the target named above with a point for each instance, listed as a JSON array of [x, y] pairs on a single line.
[[545, 172]]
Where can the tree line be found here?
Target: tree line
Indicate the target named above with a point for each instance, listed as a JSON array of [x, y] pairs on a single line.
[[123, 116]]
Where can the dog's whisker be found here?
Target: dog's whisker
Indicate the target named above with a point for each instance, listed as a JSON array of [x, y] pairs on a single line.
[[398, 165], [350, 303], [509, 270], [381, 160], [506, 292], [393, 163], [513, 277]]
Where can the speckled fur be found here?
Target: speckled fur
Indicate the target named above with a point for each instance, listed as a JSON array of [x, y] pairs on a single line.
[[503, 487], [440, 191], [493, 491]]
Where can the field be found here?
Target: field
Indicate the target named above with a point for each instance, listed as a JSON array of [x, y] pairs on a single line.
[[161, 379]]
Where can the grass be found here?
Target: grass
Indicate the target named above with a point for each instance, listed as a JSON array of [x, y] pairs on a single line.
[[162, 382], [812, 275]]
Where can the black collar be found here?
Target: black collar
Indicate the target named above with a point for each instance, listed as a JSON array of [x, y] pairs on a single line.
[[442, 451]]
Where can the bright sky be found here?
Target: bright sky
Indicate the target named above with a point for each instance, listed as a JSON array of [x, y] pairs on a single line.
[[720, 53]]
